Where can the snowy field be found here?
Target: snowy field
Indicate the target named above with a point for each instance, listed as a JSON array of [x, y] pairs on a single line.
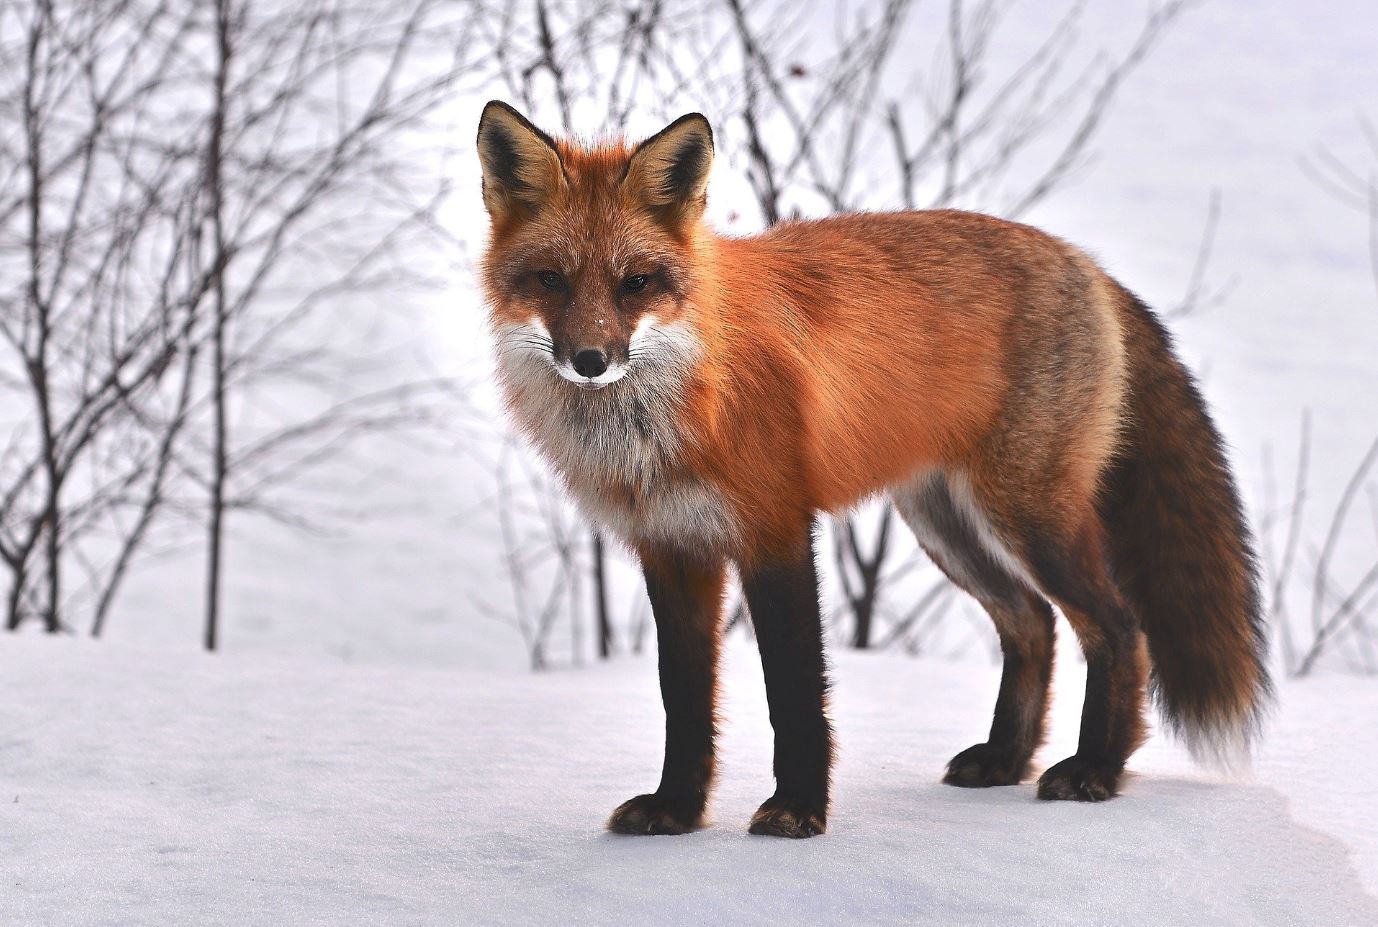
[[139, 789]]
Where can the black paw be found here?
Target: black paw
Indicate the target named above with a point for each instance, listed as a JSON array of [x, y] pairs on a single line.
[[788, 817], [1076, 779], [655, 814], [985, 765]]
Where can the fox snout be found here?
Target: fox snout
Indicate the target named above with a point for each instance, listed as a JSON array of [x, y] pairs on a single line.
[[591, 367], [590, 363], [595, 356], [589, 349]]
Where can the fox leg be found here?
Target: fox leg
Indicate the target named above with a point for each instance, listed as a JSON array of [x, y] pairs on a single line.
[[686, 599], [1074, 571], [1018, 726], [1023, 619], [782, 595]]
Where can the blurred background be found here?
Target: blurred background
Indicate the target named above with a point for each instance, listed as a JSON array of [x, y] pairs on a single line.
[[245, 376]]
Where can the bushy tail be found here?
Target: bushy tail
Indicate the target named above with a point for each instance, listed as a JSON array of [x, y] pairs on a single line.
[[1182, 554]]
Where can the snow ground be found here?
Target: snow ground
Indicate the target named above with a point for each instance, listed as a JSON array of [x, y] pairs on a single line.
[[145, 786]]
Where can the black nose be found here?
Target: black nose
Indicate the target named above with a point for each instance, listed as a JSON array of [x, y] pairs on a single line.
[[590, 363]]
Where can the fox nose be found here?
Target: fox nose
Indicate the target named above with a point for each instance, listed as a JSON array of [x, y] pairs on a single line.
[[590, 362]]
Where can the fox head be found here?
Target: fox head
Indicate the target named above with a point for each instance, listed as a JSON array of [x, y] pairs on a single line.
[[591, 255]]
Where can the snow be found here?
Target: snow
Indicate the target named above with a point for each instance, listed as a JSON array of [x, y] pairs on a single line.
[[371, 749], [145, 785]]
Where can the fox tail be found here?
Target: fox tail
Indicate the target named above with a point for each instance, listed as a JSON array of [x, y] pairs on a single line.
[[1183, 556]]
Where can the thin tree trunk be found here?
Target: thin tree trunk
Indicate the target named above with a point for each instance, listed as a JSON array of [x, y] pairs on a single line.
[[864, 602], [600, 597], [12, 614], [52, 538], [220, 436], [38, 364], [863, 609]]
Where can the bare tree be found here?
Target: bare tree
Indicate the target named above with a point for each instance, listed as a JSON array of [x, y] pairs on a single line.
[[225, 43], [99, 296], [1340, 612], [272, 187], [172, 167], [541, 556]]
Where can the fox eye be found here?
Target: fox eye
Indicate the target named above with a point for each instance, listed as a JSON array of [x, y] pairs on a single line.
[[634, 284], [550, 280]]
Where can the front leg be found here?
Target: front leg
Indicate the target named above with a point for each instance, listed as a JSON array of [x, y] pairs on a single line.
[[686, 599], [782, 594]]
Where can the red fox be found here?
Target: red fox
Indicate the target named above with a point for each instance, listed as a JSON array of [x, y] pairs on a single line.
[[704, 397]]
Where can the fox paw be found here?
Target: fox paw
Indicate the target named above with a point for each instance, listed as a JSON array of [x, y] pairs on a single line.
[[787, 817], [654, 814], [985, 765], [1076, 779]]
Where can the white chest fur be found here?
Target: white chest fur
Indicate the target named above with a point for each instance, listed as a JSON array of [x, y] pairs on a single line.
[[673, 510]]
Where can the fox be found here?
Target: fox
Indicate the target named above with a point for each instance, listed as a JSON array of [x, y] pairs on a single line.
[[706, 398]]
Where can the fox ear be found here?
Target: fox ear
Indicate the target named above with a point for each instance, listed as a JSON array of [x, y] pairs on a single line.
[[521, 166], [670, 169]]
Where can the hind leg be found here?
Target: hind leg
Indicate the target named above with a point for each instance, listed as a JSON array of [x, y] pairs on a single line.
[[1074, 571], [1018, 725], [1023, 619]]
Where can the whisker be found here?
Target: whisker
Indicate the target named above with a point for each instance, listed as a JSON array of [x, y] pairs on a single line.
[[507, 350], [526, 339]]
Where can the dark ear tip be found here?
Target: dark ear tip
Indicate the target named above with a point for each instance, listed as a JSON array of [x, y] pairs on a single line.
[[498, 106], [489, 109], [493, 106], [699, 118]]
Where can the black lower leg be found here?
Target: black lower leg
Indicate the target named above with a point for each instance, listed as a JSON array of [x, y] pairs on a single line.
[[1112, 718], [1017, 726], [1111, 725], [1079, 580], [783, 599], [686, 598]]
